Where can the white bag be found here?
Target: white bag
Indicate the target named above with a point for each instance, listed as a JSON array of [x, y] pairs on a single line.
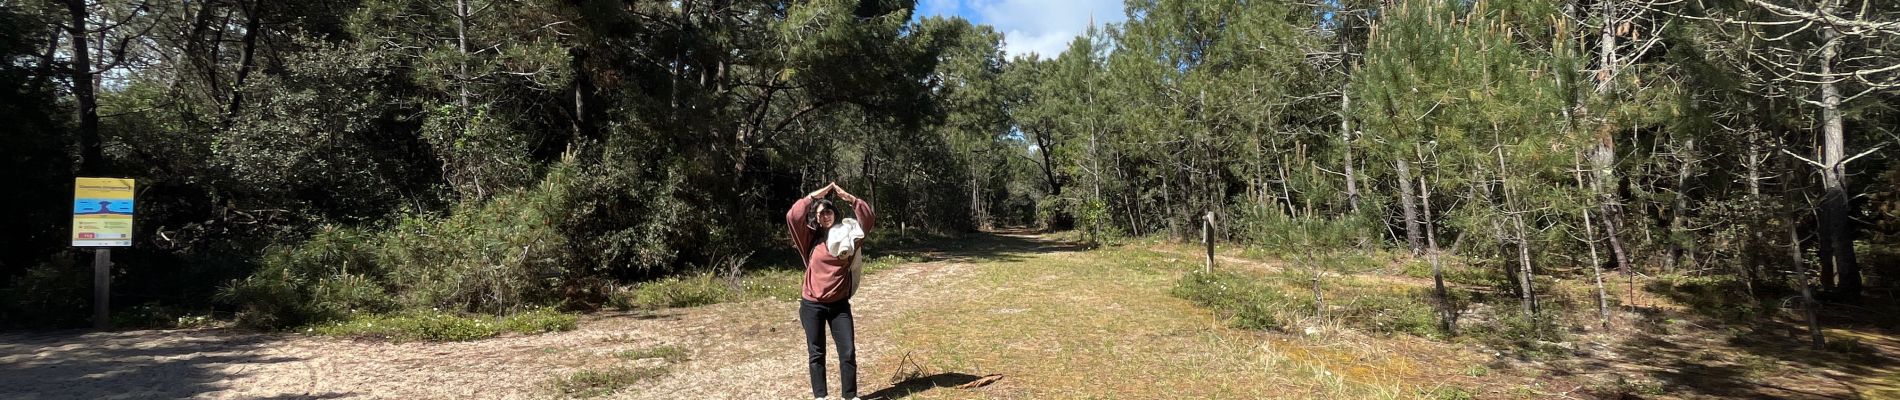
[[842, 241]]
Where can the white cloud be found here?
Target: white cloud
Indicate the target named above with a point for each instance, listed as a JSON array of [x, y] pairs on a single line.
[[1044, 27]]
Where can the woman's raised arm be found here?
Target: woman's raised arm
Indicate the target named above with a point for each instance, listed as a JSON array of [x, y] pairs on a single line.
[[867, 217]]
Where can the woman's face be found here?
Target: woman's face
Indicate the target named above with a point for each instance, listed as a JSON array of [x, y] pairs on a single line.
[[826, 217]]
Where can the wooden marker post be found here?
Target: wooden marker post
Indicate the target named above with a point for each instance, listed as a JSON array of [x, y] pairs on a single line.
[[1207, 237], [101, 288]]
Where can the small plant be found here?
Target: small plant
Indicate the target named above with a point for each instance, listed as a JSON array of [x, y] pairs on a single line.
[[677, 291], [1246, 303], [597, 382], [1623, 387], [1452, 393], [194, 321], [1477, 370], [665, 352], [1845, 345]]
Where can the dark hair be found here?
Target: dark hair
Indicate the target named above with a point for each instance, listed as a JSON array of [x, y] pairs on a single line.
[[811, 212]]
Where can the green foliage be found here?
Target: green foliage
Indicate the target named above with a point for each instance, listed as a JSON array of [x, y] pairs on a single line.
[[603, 381], [490, 256], [1451, 393], [1532, 338], [667, 353], [1388, 311], [1724, 297], [1265, 303], [419, 326], [436, 326], [316, 160], [541, 320], [1275, 230], [676, 291], [56, 293], [1244, 302]]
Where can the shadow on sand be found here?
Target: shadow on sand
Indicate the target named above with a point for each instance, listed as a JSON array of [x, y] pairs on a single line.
[[130, 364]]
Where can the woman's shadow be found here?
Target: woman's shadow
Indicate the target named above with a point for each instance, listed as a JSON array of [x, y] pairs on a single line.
[[919, 384]]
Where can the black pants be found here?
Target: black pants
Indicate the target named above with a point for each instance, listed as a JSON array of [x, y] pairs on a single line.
[[815, 317]]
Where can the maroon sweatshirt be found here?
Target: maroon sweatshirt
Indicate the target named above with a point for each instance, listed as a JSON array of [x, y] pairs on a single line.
[[827, 278]]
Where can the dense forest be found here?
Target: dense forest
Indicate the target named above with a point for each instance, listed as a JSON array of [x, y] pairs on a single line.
[[300, 161]]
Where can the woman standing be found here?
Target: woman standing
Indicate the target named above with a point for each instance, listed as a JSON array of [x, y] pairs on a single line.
[[826, 298]]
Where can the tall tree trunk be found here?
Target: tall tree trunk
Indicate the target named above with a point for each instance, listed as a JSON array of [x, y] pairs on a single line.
[[1603, 160], [1677, 220], [1590, 240], [1835, 231], [976, 198], [1345, 136], [1527, 274], [1408, 209], [1808, 305], [1431, 253], [91, 153], [583, 88], [247, 59]]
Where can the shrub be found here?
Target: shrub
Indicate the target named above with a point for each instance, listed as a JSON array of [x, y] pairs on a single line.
[[1452, 393], [1271, 228], [328, 277], [1244, 302], [1408, 311], [675, 291], [433, 327], [1723, 297], [484, 256], [55, 293]]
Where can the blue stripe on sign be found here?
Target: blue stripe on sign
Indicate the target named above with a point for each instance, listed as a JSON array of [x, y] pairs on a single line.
[[102, 206]]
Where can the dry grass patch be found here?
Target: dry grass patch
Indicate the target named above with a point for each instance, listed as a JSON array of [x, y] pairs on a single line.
[[1104, 324]]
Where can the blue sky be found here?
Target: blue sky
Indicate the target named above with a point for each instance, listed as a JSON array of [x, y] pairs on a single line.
[[1044, 27]]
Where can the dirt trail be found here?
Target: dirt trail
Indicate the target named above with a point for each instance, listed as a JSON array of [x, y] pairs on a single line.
[[738, 350], [1057, 322]]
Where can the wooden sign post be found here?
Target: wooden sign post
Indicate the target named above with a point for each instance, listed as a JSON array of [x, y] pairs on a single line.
[[102, 219]]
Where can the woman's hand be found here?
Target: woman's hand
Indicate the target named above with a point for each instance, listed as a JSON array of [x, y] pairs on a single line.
[[822, 191], [843, 195]]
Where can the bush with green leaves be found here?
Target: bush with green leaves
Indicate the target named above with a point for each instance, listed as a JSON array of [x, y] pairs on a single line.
[[492, 256], [1243, 301], [52, 293], [676, 291], [431, 326], [1272, 229]]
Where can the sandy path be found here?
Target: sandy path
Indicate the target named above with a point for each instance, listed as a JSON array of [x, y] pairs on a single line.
[[740, 351]]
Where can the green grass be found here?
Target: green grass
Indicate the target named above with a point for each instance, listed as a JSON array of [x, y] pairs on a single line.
[[1269, 301], [602, 381], [665, 352], [444, 327], [1452, 393], [1242, 301], [1137, 312]]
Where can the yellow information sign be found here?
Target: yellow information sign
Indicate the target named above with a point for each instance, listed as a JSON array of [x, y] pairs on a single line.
[[102, 212]]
